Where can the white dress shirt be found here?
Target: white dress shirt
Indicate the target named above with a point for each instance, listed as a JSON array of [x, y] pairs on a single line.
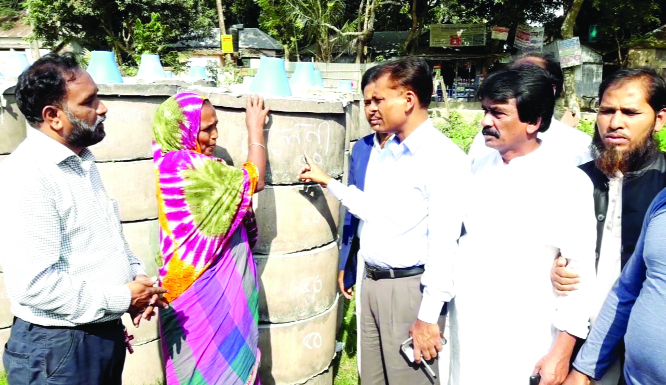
[[519, 217], [64, 256], [571, 145], [411, 210]]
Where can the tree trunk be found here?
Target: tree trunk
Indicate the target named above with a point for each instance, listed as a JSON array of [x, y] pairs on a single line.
[[569, 97], [415, 24], [220, 16], [368, 29], [286, 52]]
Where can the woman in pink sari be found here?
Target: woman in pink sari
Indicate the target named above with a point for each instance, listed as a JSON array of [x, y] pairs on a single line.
[[209, 333]]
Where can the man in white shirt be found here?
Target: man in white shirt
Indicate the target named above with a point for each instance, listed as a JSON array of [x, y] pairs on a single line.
[[522, 210], [570, 145], [412, 219], [69, 272]]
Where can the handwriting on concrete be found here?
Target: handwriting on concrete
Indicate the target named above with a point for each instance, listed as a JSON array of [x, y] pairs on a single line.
[[312, 341], [314, 138]]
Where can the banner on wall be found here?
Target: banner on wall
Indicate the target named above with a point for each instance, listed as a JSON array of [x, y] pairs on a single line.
[[569, 51], [457, 35], [529, 39], [500, 33]]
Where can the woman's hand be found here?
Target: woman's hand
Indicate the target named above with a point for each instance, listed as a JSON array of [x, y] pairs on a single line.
[[312, 173], [255, 116]]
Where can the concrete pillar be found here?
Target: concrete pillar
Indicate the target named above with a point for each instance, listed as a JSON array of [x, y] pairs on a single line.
[[297, 253], [12, 123]]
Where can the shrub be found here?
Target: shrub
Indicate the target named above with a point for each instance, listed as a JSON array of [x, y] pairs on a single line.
[[458, 129]]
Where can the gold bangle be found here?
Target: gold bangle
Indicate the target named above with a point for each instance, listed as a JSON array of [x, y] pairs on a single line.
[[257, 144]]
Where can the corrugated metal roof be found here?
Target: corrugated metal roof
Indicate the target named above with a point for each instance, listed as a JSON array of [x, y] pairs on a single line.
[[249, 38], [20, 30]]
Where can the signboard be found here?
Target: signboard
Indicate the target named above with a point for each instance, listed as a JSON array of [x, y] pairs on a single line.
[[569, 51], [227, 44], [529, 39], [500, 33], [457, 35]]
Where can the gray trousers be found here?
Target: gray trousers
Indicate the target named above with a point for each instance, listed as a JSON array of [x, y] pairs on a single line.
[[389, 308]]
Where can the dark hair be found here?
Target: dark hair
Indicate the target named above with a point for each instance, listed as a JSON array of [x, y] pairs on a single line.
[[655, 85], [551, 66], [531, 88], [411, 73], [45, 83], [367, 76]]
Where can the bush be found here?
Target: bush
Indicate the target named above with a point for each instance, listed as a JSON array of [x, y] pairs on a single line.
[[458, 129]]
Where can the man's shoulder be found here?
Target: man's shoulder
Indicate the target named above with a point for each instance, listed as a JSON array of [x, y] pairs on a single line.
[[436, 142], [567, 132], [21, 169]]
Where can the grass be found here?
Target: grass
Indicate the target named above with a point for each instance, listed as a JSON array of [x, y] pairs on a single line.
[[344, 365], [3, 378]]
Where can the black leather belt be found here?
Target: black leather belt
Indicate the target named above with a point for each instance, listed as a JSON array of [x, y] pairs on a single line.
[[377, 273]]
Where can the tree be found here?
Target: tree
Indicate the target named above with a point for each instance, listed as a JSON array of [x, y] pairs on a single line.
[[277, 20], [569, 97], [620, 23], [104, 24], [317, 17], [419, 11]]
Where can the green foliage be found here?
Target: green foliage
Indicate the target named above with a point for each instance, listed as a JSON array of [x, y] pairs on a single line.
[[112, 24], [315, 16], [344, 365], [128, 70], [224, 76], [176, 60], [587, 126], [460, 130], [152, 37]]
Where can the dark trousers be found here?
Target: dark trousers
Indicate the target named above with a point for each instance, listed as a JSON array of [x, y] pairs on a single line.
[[87, 355]]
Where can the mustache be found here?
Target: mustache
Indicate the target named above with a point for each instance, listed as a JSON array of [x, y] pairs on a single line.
[[490, 132]]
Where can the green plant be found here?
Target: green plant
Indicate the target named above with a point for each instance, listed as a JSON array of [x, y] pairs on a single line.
[[225, 76], [460, 130], [177, 61], [128, 70], [345, 370], [587, 126]]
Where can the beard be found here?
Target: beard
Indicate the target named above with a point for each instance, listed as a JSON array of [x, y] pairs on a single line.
[[610, 160], [84, 134]]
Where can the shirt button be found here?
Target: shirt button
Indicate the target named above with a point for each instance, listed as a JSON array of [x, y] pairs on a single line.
[[601, 217]]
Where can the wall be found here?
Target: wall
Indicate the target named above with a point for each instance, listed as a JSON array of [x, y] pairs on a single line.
[[297, 253]]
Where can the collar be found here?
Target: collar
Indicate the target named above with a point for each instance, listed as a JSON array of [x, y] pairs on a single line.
[[375, 141], [531, 158], [56, 152], [414, 141]]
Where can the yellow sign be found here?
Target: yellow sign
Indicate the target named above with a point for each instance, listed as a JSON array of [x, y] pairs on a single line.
[[227, 44]]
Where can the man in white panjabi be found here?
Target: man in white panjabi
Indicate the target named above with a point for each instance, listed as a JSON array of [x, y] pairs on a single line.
[[523, 210]]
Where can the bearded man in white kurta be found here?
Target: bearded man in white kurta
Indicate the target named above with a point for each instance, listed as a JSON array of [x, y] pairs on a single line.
[[525, 209]]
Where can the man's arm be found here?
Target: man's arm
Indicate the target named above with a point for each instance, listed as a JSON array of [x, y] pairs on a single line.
[[446, 196], [30, 235], [347, 233], [575, 232]]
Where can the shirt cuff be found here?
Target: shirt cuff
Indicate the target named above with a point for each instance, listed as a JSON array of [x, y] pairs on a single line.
[[430, 309], [118, 299], [579, 331], [337, 189], [589, 373], [137, 269]]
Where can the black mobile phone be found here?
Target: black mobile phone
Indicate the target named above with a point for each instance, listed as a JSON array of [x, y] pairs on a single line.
[[535, 379]]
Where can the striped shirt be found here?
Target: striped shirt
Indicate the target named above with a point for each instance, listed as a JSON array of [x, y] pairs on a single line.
[[65, 259]]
